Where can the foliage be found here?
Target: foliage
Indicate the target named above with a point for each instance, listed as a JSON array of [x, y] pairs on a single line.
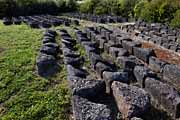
[[156, 10], [149, 10], [126, 7], [175, 22], [30, 7]]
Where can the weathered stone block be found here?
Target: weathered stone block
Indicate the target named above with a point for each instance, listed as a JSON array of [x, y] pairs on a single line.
[[89, 89], [130, 45], [49, 50], [109, 77], [46, 65], [171, 73], [101, 67], [165, 94], [72, 71], [127, 63], [95, 58], [143, 53], [156, 64], [77, 62], [131, 100], [84, 109], [141, 73]]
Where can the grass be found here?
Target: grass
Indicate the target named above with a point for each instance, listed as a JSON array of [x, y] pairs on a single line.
[[23, 94]]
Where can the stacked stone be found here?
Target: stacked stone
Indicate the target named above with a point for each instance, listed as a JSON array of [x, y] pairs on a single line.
[[98, 19], [40, 21], [47, 64], [140, 62], [131, 101], [84, 90], [156, 33]]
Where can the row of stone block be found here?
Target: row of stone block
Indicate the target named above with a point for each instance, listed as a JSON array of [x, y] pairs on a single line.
[[168, 40], [84, 90], [142, 72], [127, 97], [98, 19], [41, 21], [47, 61]]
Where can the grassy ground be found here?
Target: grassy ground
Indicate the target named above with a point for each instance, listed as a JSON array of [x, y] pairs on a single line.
[[23, 94]]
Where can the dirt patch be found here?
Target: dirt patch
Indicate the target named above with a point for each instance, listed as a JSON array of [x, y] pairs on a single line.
[[163, 54]]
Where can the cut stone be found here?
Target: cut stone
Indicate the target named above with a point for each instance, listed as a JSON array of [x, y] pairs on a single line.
[[84, 109], [143, 53], [131, 100], [141, 73], [156, 64], [47, 65], [109, 77], [171, 73], [165, 94], [89, 89]]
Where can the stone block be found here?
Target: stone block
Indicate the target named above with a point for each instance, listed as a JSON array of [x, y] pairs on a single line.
[[109, 77], [131, 100], [143, 53], [84, 109], [165, 95], [141, 73], [171, 73], [156, 64]]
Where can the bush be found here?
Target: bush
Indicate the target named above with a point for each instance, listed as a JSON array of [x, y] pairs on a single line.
[[71, 5], [31, 7], [88, 6], [175, 22], [126, 7], [7, 8], [156, 10]]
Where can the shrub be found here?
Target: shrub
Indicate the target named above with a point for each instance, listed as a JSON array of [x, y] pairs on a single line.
[[88, 6], [71, 5], [126, 7], [156, 10], [175, 22]]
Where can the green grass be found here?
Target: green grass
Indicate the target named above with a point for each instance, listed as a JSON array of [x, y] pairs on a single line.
[[23, 94]]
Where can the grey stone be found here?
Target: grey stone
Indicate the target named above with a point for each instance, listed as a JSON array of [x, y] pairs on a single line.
[[90, 49], [49, 50], [130, 45], [131, 100], [165, 94], [122, 52], [84, 109], [127, 63], [109, 77], [89, 89], [143, 53], [77, 62], [95, 58], [171, 73], [156, 64], [54, 45], [113, 51], [108, 45], [101, 43], [120, 39], [72, 71], [141, 73], [100, 67], [46, 65], [48, 39]]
